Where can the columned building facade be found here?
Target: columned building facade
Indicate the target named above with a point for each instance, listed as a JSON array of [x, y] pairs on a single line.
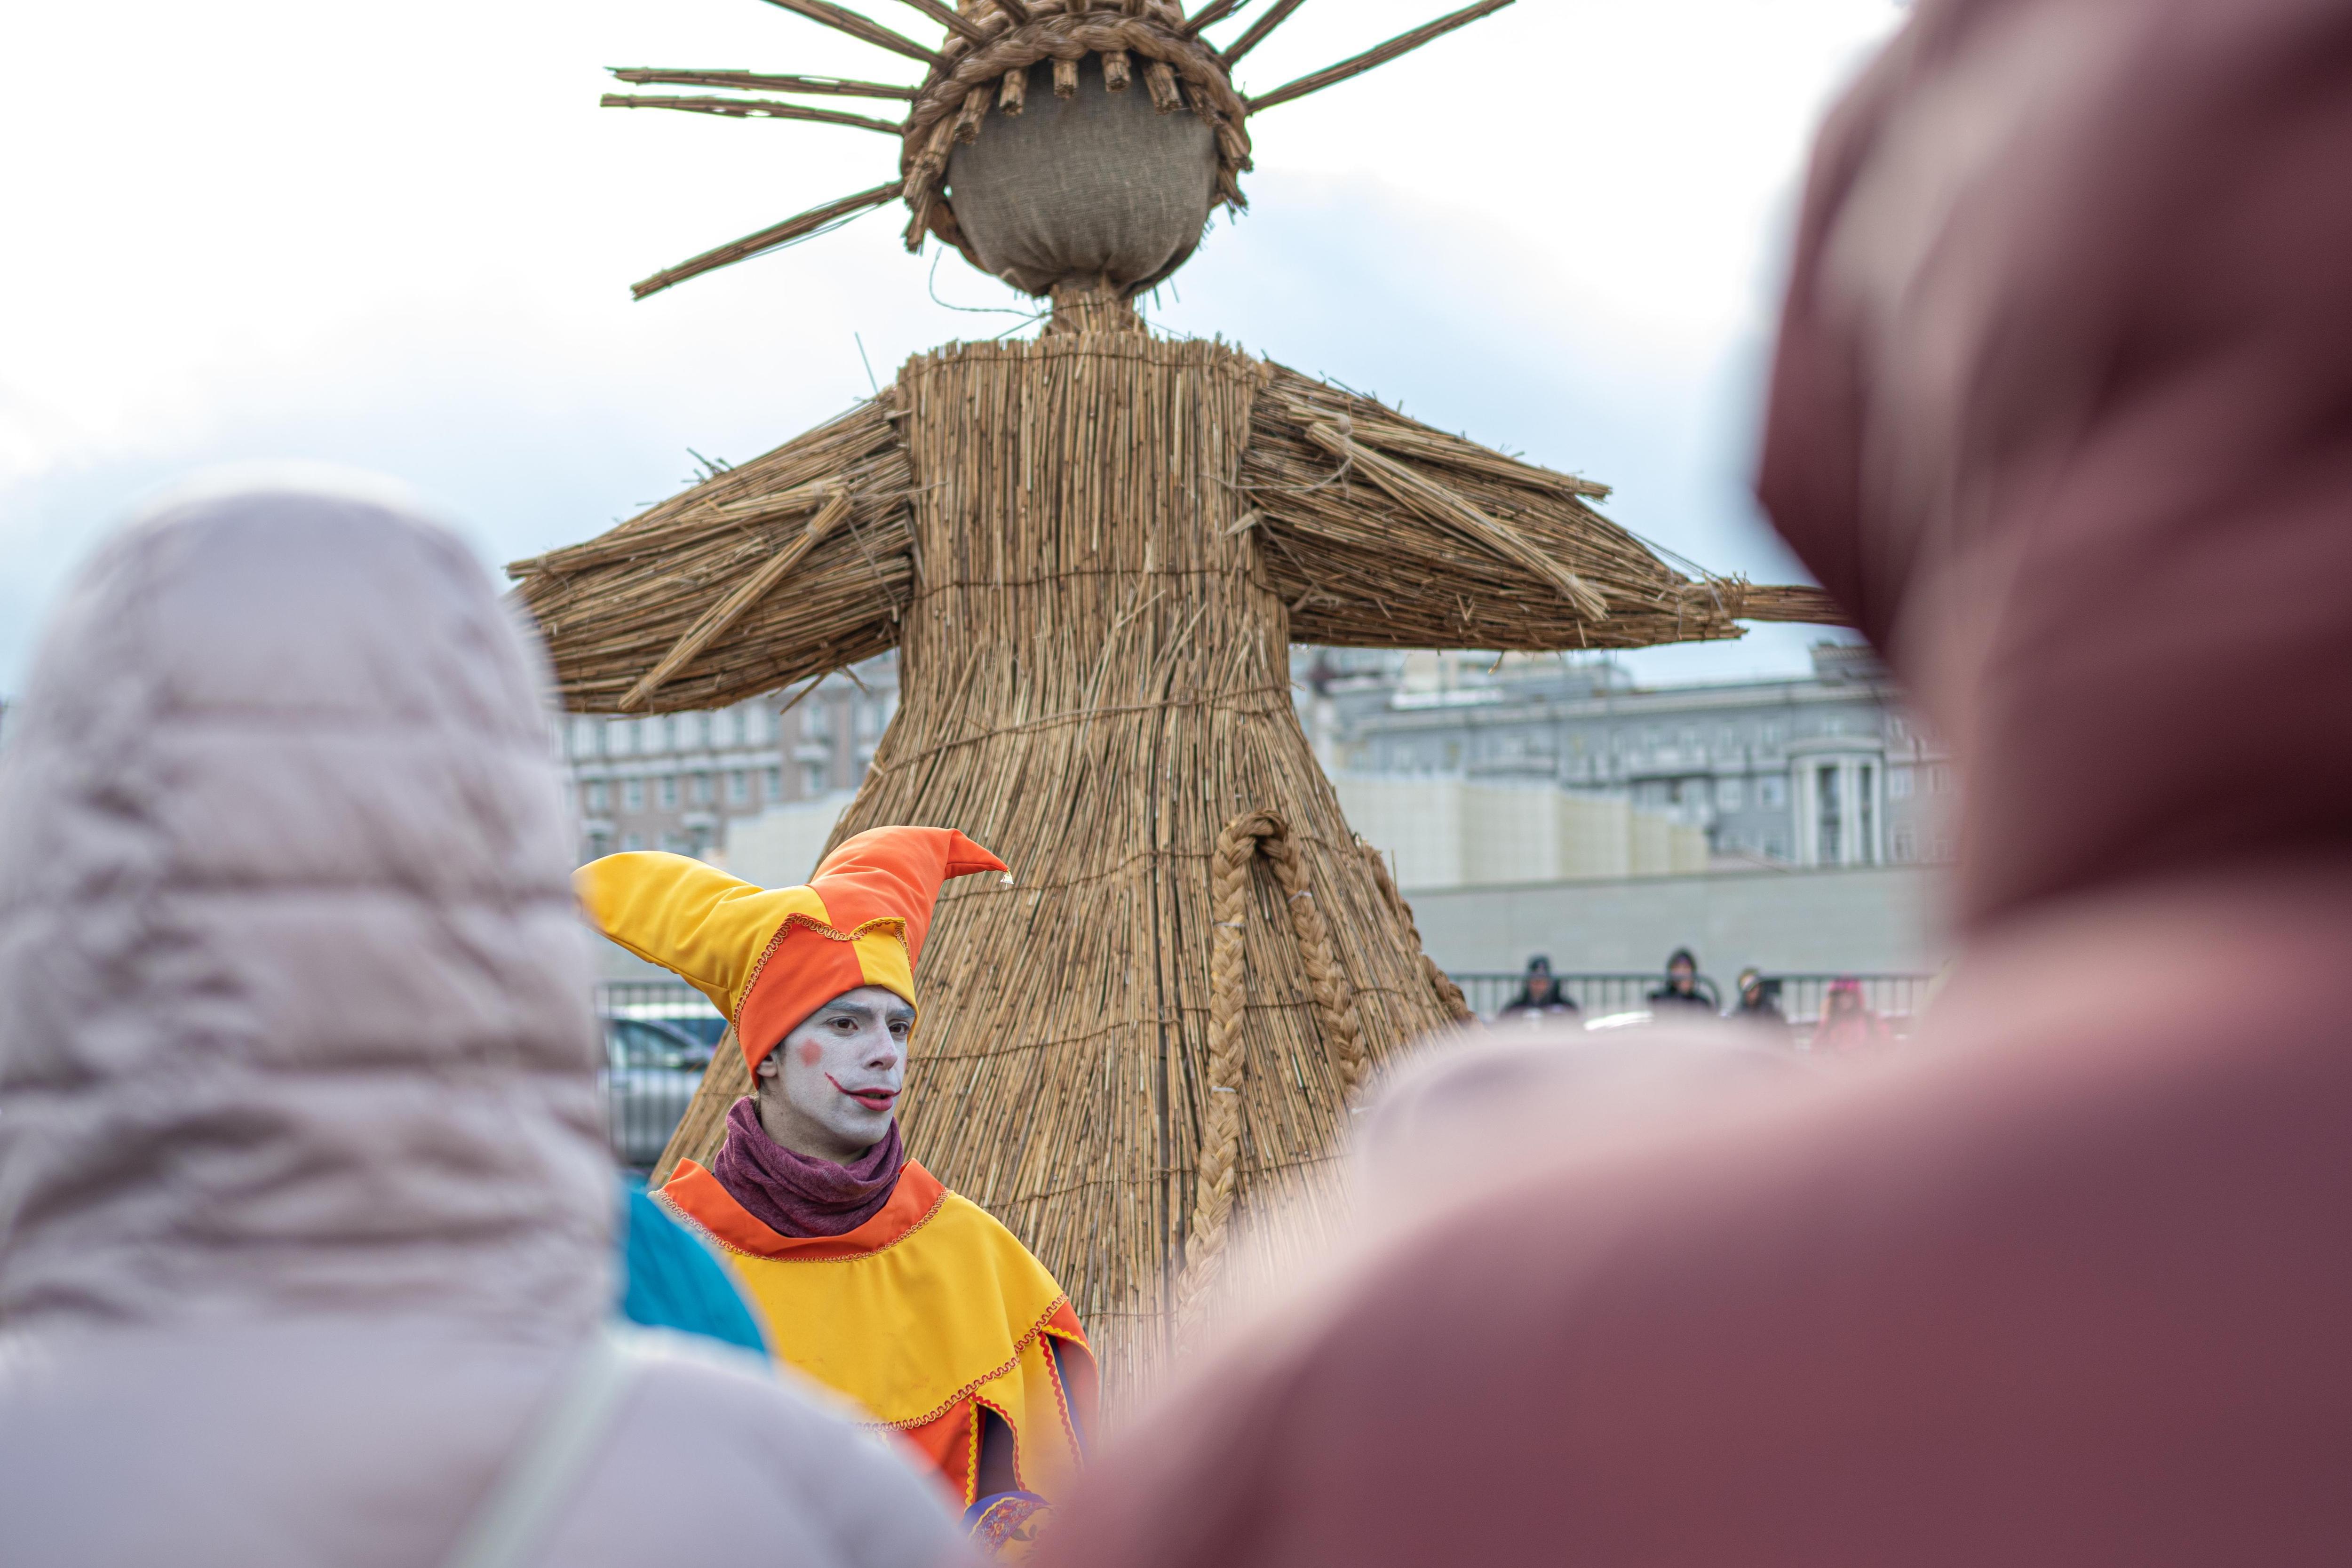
[[678, 781], [1826, 769]]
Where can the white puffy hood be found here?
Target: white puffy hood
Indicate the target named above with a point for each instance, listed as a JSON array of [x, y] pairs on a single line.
[[294, 1002]]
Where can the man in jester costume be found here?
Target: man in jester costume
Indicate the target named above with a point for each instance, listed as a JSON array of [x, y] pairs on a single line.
[[871, 1278]]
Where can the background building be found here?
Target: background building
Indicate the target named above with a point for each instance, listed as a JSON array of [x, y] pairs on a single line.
[[686, 781], [1526, 804], [1827, 770]]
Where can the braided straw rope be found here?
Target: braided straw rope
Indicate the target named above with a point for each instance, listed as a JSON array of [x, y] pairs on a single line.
[[955, 98], [1217, 1178]]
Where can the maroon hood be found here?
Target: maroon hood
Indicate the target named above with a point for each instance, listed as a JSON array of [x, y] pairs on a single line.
[[2063, 413]]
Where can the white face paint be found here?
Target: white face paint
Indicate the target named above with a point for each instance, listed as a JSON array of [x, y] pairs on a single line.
[[830, 1089]]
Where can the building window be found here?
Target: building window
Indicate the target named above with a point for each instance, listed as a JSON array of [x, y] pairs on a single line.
[[812, 778], [1771, 734], [1776, 848], [775, 784], [1898, 783], [869, 719], [739, 788], [817, 721], [632, 794], [724, 727], [1772, 793], [583, 737], [1904, 849], [698, 789], [1829, 820], [1867, 847], [599, 845], [1729, 795], [755, 725], [632, 842], [618, 735], [596, 796], [669, 792]]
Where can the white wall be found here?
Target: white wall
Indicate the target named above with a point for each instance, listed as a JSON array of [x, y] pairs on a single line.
[[1441, 832], [779, 847]]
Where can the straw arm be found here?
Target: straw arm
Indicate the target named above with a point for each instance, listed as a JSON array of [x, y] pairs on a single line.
[[863, 28], [1258, 30], [949, 17], [1370, 58], [730, 589], [1444, 506], [1803, 606], [757, 81], [1372, 425], [752, 109], [1209, 16], [1380, 532], [722, 616], [751, 244]]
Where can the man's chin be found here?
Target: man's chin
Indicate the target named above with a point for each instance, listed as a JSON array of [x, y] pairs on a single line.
[[863, 1131]]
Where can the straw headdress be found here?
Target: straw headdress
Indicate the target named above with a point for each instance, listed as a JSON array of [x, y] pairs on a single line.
[[767, 957]]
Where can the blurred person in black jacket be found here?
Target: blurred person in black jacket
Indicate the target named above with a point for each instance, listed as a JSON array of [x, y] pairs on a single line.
[[1540, 995], [1682, 989]]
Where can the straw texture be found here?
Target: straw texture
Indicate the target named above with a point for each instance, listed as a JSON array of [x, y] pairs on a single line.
[[1093, 552], [612, 609], [1353, 564], [1095, 681]]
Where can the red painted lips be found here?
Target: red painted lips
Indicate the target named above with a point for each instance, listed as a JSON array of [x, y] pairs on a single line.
[[872, 1098]]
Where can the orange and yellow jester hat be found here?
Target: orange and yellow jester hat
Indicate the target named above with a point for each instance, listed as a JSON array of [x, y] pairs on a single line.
[[771, 956]]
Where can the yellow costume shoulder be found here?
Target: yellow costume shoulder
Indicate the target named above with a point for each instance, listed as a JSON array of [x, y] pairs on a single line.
[[924, 1315]]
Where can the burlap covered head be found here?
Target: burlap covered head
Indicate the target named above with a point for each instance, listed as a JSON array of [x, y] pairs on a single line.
[[1098, 184]]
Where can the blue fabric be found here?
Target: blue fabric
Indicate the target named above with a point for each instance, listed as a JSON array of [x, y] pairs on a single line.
[[670, 1280]]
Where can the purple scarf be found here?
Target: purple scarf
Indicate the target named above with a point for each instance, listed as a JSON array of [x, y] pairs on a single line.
[[792, 1195]]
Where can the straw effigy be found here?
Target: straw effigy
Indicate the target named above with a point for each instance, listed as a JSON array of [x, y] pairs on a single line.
[[1092, 552]]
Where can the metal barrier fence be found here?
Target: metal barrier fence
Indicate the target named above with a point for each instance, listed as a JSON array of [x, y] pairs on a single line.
[[1895, 1000], [659, 1033], [1596, 996]]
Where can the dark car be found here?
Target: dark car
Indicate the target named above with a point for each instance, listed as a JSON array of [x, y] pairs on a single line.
[[651, 1071]]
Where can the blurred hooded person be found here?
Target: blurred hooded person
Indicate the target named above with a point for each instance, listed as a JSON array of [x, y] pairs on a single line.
[[872, 1277], [1539, 996], [304, 1198], [2062, 415], [1680, 994]]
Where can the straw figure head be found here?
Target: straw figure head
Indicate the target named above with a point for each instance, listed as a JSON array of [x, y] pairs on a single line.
[[1074, 149]]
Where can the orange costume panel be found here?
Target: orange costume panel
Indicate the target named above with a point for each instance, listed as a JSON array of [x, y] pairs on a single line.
[[926, 1315]]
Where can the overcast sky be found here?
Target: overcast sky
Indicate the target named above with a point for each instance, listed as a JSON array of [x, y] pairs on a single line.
[[400, 239]]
